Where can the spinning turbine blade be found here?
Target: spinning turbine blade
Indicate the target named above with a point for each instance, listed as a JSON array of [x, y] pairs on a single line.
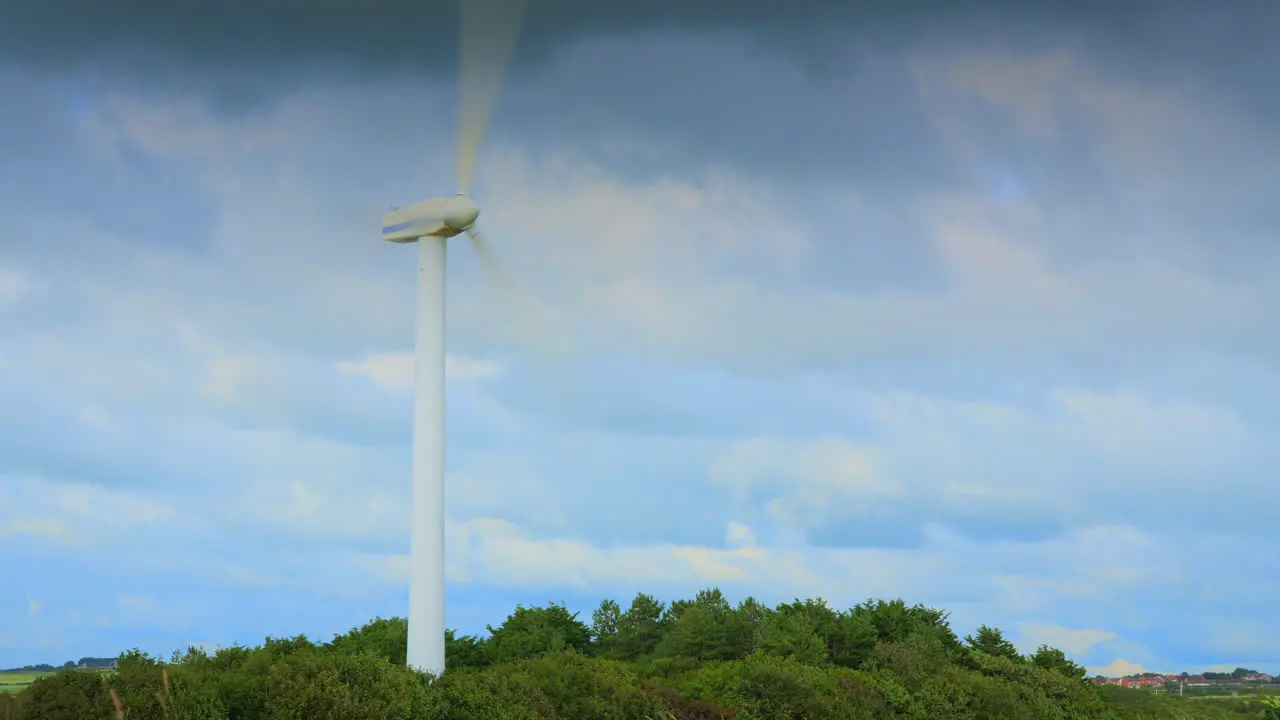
[[487, 257], [520, 308], [489, 32]]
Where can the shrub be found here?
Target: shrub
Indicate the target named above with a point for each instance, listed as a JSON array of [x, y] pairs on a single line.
[[67, 694], [691, 660]]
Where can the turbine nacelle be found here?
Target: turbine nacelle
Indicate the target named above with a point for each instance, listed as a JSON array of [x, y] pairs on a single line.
[[439, 217], [460, 212]]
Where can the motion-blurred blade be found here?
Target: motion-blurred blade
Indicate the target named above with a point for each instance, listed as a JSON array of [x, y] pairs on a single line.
[[523, 315], [487, 257], [489, 32]]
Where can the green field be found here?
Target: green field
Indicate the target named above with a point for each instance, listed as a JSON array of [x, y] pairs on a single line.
[[17, 681]]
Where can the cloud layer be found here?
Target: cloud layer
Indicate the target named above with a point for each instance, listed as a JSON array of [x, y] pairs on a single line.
[[982, 328]]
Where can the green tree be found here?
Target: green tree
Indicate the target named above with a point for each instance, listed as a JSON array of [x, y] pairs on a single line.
[[640, 628], [388, 638], [709, 628], [606, 622], [317, 685], [850, 639], [748, 617], [699, 632], [140, 683], [1054, 659], [800, 660], [571, 686], [992, 642], [531, 631], [894, 621], [793, 636], [67, 694], [465, 650]]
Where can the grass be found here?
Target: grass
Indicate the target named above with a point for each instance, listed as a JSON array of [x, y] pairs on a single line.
[[12, 682]]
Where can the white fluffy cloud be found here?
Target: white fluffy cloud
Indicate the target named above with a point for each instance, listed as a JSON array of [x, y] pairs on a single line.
[[1118, 668], [1074, 642], [804, 479], [499, 553], [82, 514]]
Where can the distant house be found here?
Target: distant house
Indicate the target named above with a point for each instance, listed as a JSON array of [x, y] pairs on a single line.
[[1143, 681], [1161, 682]]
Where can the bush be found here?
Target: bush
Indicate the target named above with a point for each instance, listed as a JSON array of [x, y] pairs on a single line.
[[67, 694], [576, 687], [691, 660], [766, 687]]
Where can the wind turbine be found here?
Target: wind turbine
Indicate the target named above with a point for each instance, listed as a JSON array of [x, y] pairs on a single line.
[[489, 31]]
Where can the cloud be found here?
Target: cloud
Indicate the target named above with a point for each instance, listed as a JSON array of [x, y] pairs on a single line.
[[13, 286], [802, 481], [368, 42], [394, 371], [739, 535], [986, 337], [637, 288], [95, 417], [79, 513], [33, 526], [1118, 668], [497, 553], [1076, 643], [1243, 639]]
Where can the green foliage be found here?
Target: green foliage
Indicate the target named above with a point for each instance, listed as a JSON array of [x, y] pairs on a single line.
[[576, 687], [709, 628], [605, 624], [699, 659], [1054, 659], [465, 651], [347, 686], [992, 642], [793, 636], [640, 628], [386, 638], [13, 706], [528, 632], [894, 621], [766, 687], [67, 694]]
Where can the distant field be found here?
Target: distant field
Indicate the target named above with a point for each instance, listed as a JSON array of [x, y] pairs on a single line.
[[17, 681]]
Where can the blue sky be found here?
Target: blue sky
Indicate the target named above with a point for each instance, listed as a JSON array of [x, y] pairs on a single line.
[[981, 321]]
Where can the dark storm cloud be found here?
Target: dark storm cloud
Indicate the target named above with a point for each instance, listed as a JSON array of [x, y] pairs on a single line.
[[392, 33], [411, 34], [242, 54]]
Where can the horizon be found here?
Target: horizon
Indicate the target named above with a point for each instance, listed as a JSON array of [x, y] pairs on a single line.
[[966, 306]]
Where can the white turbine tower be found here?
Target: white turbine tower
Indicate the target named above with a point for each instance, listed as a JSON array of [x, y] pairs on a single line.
[[489, 30]]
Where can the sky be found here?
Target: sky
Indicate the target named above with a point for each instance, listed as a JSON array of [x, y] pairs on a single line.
[[964, 303]]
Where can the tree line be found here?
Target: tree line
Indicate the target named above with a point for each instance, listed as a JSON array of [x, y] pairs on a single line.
[[84, 662], [697, 659]]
